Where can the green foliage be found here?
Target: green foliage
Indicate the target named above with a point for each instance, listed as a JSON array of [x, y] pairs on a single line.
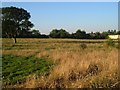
[[83, 46], [15, 21], [110, 43], [16, 68], [59, 33], [80, 34], [35, 32]]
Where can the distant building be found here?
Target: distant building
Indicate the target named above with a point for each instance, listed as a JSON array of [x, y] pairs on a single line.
[[114, 36]]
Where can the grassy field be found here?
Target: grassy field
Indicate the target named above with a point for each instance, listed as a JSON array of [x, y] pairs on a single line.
[[59, 63]]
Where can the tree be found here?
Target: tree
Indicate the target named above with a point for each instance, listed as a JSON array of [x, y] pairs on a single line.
[[59, 33], [54, 33], [112, 32], [80, 34], [63, 33], [97, 35], [35, 33], [118, 32], [15, 21], [105, 35]]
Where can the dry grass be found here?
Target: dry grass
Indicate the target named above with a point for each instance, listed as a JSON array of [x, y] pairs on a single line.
[[74, 66], [19, 52], [96, 66]]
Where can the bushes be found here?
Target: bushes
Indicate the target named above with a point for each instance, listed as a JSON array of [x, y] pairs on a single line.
[[83, 46], [110, 43]]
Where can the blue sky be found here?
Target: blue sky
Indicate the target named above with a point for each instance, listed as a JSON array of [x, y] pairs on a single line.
[[60, 0], [88, 16]]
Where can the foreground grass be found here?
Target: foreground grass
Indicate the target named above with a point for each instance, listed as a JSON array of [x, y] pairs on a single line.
[[90, 65], [16, 69]]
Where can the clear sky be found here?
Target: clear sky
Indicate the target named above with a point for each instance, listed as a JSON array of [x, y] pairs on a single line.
[[88, 16], [60, 0]]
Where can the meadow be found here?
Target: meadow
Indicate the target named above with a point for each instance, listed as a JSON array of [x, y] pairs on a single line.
[[59, 63]]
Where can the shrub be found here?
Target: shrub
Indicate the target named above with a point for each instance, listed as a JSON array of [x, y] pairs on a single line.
[[110, 42], [83, 45], [92, 69]]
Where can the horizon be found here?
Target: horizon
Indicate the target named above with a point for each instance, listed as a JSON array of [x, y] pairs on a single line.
[[71, 16]]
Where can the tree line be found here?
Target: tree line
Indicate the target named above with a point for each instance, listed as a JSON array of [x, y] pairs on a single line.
[[61, 33], [16, 24], [81, 34]]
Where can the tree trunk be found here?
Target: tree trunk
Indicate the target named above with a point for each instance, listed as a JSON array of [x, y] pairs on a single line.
[[15, 41]]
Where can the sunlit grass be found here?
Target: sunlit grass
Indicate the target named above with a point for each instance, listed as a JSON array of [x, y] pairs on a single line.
[[95, 66]]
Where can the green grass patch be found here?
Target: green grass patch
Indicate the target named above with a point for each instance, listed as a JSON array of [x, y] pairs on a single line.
[[16, 68]]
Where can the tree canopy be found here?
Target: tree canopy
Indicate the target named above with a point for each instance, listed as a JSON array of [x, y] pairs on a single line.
[[15, 21], [59, 33]]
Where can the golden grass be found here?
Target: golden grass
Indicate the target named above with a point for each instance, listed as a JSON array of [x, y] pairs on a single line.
[[95, 66], [19, 52], [79, 61]]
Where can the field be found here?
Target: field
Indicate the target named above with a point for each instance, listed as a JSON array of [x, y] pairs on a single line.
[[59, 63]]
